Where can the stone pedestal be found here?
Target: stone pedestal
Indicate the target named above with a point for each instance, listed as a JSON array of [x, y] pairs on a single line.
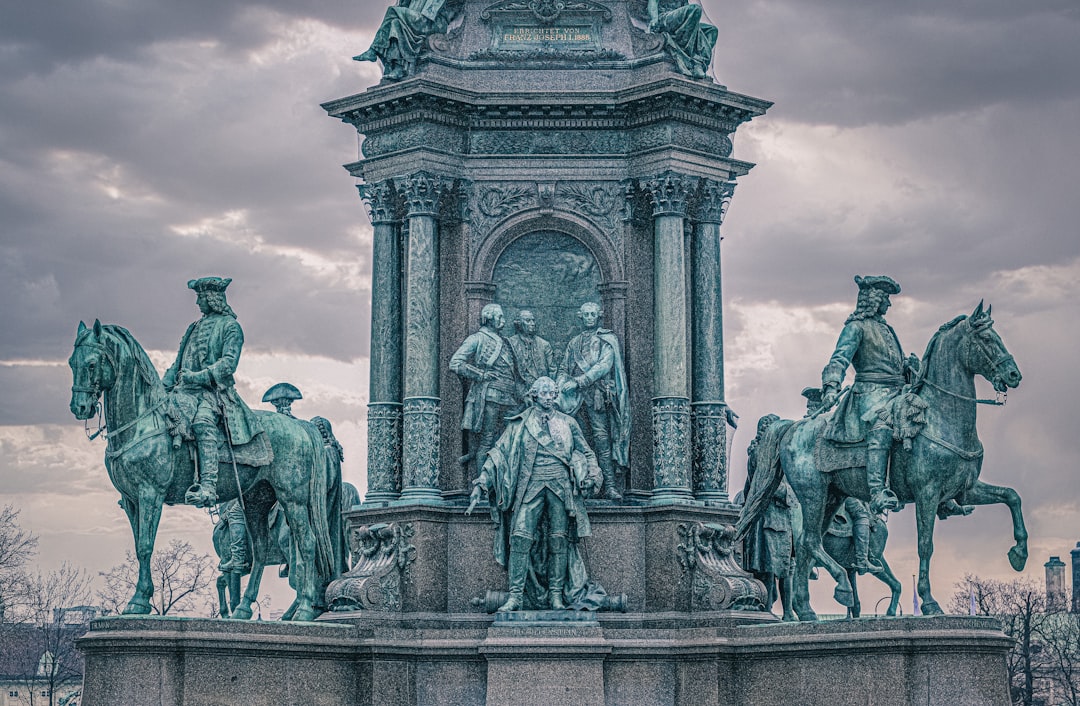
[[661, 659]]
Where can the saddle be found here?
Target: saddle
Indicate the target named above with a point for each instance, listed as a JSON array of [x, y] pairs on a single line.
[[904, 414]]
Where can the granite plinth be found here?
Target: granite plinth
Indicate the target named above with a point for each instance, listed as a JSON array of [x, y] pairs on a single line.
[[670, 659]]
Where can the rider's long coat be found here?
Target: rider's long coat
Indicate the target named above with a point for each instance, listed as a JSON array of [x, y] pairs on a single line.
[[873, 349], [213, 343]]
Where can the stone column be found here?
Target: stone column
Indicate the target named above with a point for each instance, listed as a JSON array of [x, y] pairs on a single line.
[[613, 297], [709, 411], [422, 193], [668, 194], [384, 396]]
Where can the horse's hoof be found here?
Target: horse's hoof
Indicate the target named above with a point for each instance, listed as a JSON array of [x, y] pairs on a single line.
[[137, 608], [844, 596], [1018, 558], [242, 613], [931, 608], [304, 616], [790, 618]]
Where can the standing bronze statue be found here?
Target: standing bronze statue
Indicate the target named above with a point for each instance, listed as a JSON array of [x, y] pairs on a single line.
[[541, 468], [871, 347], [593, 385], [533, 354], [487, 362], [204, 393], [769, 529]]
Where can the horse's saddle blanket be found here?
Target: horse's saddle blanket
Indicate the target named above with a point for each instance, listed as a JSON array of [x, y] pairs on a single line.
[[830, 456], [256, 452]]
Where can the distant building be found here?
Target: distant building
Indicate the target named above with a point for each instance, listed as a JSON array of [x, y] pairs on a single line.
[[1076, 578], [39, 663], [1057, 596]]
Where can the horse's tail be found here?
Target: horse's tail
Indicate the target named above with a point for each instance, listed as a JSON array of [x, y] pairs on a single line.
[[318, 488], [767, 475]]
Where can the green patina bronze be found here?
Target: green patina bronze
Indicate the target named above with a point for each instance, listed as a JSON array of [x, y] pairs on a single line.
[[687, 40], [403, 35], [541, 469], [150, 458], [932, 451]]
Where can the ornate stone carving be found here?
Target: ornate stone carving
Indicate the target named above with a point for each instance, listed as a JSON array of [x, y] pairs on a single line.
[[547, 141], [492, 203], [713, 201], [422, 420], [546, 11], [712, 573], [381, 555], [384, 448], [671, 437], [668, 193], [422, 193], [710, 449], [604, 203], [381, 201]]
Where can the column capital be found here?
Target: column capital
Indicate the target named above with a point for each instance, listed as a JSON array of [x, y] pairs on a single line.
[[669, 193], [713, 200], [613, 290], [480, 290], [381, 201], [422, 192]]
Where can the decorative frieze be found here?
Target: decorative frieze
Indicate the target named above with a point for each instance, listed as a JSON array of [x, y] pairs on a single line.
[[381, 556], [711, 572]]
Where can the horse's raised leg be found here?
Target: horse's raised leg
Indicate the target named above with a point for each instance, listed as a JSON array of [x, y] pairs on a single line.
[[144, 518], [986, 494], [925, 515], [887, 577]]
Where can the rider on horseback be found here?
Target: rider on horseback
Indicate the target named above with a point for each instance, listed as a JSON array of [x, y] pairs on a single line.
[[869, 345], [201, 381]]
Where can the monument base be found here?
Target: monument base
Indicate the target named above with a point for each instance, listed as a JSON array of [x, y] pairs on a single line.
[[670, 659]]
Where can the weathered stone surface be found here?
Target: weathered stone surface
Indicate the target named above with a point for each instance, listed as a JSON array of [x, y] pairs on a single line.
[[467, 660]]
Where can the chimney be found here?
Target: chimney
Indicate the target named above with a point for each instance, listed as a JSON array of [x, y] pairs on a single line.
[[1076, 579], [1056, 595]]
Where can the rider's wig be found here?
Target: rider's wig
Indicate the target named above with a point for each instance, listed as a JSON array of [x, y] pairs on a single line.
[[868, 305]]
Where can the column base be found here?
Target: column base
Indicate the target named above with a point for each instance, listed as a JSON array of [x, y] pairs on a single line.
[[419, 496], [673, 496], [380, 498]]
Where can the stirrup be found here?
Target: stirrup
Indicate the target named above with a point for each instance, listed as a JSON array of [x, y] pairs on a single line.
[[884, 499]]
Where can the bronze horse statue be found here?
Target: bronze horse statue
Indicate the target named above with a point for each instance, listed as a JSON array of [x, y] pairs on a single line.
[[149, 471], [938, 473], [840, 545]]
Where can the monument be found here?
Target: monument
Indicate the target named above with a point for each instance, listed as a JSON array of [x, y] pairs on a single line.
[[565, 165]]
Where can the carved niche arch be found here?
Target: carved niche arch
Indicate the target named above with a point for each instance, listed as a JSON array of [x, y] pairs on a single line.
[[481, 289]]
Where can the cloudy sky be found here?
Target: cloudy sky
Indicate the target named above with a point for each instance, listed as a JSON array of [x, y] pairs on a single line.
[[145, 143]]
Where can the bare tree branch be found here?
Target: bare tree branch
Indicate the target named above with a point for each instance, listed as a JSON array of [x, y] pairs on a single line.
[[183, 581]]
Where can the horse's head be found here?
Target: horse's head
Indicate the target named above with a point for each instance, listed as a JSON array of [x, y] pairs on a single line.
[[93, 371], [985, 354]]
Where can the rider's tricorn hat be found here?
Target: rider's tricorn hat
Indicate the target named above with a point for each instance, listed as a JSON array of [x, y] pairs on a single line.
[[812, 394], [209, 284], [282, 391], [885, 284]]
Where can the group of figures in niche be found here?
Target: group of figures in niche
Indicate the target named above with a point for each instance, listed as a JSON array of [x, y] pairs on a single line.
[[588, 376]]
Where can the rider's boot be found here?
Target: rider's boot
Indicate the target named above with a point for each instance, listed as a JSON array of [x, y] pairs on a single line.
[[204, 493], [609, 491], [879, 444], [238, 540], [556, 570], [863, 562], [518, 568]]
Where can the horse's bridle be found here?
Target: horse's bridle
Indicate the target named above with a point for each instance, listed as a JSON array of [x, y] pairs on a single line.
[[94, 388]]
